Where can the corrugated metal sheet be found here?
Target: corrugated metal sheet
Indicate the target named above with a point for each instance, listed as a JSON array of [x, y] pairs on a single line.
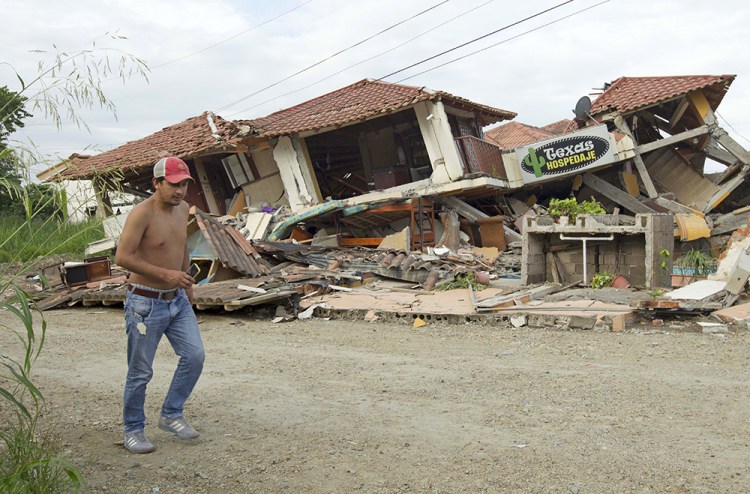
[[229, 246], [674, 174]]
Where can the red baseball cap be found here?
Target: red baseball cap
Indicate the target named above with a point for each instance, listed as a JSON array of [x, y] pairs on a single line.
[[174, 170]]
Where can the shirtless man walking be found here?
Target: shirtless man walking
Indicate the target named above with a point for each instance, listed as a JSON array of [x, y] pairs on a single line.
[[153, 247]]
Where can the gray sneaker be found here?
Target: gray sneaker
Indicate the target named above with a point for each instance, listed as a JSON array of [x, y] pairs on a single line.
[[136, 442], [178, 426]]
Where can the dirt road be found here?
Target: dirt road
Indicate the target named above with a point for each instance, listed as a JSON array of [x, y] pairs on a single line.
[[339, 406]]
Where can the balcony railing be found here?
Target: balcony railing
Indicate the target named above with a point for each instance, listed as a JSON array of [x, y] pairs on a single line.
[[478, 156]]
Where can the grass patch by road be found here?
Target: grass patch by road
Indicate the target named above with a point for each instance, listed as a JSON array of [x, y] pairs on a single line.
[[21, 241]]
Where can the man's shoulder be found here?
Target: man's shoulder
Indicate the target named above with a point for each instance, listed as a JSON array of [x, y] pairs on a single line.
[[142, 208]]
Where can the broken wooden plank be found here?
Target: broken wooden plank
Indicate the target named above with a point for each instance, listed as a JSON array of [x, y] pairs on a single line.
[[473, 214], [251, 289], [261, 299], [673, 139], [622, 126], [363, 242], [619, 196]]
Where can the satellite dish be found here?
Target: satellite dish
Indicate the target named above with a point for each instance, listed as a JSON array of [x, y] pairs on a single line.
[[582, 108]]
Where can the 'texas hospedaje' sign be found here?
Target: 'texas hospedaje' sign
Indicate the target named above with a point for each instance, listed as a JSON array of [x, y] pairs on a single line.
[[568, 154]]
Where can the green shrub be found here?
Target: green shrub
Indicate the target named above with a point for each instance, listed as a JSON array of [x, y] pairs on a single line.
[[697, 263], [601, 280], [572, 208]]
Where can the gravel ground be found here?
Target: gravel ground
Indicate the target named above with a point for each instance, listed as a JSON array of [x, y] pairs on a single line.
[[338, 406]]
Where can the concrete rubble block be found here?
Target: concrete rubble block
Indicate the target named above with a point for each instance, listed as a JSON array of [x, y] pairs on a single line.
[[700, 290], [518, 320], [618, 322], [713, 327], [737, 313], [739, 275], [540, 321], [582, 322]]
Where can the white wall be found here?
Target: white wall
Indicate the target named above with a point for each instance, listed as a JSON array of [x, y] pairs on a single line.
[[81, 197], [82, 200]]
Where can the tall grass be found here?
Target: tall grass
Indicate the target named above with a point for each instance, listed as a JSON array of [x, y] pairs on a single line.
[[65, 84], [29, 462], [22, 241]]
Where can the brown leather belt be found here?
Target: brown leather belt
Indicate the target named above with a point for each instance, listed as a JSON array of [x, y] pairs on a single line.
[[166, 295]]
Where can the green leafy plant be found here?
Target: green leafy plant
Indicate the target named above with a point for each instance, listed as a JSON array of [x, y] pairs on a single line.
[[572, 208], [697, 263], [656, 293], [592, 206], [665, 255], [563, 207], [462, 281], [29, 462], [601, 280]]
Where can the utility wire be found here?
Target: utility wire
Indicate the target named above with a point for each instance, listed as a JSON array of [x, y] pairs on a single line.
[[503, 41], [324, 101], [363, 61], [233, 103], [731, 127], [476, 39], [231, 37]]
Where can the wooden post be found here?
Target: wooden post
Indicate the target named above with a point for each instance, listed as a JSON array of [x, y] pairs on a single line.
[[622, 126]]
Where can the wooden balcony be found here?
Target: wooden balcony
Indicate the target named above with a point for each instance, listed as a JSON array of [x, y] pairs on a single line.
[[478, 156]]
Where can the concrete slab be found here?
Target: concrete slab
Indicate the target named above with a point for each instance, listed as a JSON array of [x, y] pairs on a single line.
[[737, 313], [700, 290]]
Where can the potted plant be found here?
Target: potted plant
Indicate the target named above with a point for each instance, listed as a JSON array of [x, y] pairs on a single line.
[[570, 208], [693, 265], [563, 208], [601, 280]]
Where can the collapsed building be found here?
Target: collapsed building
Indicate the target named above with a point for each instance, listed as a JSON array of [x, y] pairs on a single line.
[[410, 171]]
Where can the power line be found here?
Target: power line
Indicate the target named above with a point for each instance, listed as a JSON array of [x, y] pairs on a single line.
[[730, 126], [231, 37], [503, 41], [508, 26], [498, 30], [229, 105], [365, 60]]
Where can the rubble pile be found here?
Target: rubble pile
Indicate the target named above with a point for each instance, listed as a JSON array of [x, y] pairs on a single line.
[[380, 209]]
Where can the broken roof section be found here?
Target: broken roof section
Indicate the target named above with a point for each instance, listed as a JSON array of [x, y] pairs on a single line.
[[629, 94], [361, 101], [192, 137], [516, 134]]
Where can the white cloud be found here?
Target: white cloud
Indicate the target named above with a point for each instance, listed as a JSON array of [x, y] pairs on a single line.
[[539, 75]]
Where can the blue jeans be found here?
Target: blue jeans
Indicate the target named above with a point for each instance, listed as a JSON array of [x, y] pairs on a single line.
[[146, 320]]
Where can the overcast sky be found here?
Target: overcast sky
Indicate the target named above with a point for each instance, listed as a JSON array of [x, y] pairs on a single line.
[[208, 54]]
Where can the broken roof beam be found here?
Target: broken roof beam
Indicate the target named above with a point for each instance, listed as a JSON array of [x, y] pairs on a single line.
[[473, 214], [717, 153], [622, 126], [732, 146], [674, 139], [702, 109], [682, 106], [617, 195], [726, 189]]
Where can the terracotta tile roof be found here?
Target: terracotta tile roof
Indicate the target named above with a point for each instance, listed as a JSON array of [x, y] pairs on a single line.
[[515, 134], [558, 128], [359, 101], [185, 139], [627, 94]]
